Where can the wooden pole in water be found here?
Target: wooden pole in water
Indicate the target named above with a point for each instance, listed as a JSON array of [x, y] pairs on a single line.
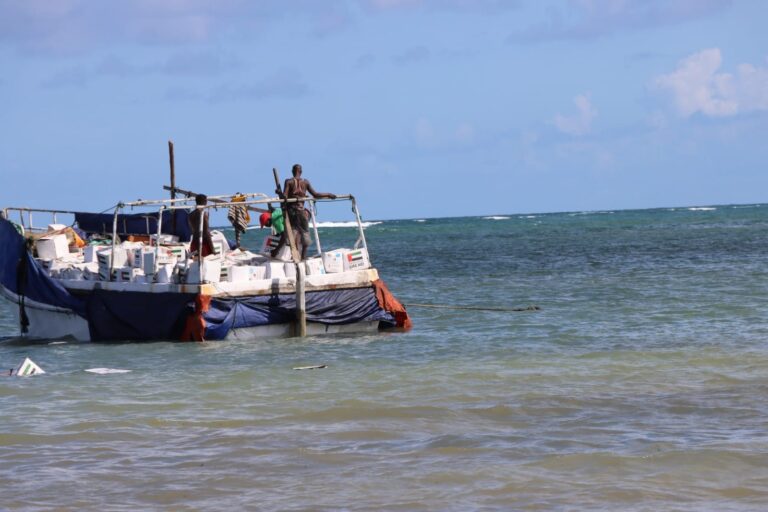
[[173, 185], [301, 313]]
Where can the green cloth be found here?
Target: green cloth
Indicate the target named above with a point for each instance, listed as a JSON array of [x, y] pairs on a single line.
[[277, 221]]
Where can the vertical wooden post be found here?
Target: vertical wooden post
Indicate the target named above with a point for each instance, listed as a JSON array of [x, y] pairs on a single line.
[[300, 327], [301, 304], [173, 185]]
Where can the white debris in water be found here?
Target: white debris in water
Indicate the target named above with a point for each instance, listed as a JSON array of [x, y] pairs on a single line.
[[27, 368]]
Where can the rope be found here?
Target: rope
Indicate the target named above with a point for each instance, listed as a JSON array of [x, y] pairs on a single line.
[[474, 308]]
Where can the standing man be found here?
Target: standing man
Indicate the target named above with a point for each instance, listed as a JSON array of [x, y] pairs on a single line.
[[297, 188], [195, 218]]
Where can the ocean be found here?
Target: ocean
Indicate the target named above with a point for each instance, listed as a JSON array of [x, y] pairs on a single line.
[[640, 384]]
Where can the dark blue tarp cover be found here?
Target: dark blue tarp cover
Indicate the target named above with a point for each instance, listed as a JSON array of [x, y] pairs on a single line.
[[37, 285], [135, 224], [327, 307], [137, 316]]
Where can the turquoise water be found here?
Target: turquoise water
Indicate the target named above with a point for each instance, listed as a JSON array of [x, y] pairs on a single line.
[[641, 384]]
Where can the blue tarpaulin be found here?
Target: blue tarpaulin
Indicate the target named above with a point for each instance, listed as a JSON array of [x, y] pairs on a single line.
[[137, 316], [21, 274], [330, 307], [135, 224]]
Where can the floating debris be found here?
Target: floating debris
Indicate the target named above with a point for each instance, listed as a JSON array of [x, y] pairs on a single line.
[[106, 371], [27, 368], [314, 367]]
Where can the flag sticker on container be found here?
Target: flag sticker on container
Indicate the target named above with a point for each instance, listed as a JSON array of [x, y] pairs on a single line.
[[27, 368], [357, 260]]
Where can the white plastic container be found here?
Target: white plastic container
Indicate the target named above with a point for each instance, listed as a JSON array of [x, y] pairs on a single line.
[[164, 239], [56, 227], [90, 252], [177, 250], [52, 247], [127, 274], [314, 266], [165, 273], [275, 270], [211, 271], [240, 273], [333, 261], [148, 261], [104, 258], [258, 272], [220, 243], [356, 259]]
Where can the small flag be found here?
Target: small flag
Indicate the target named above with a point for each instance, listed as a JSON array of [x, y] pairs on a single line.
[[27, 368], [354, 256]]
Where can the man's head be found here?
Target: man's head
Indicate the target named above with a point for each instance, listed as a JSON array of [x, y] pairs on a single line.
[[201, 199], [265, 219], [296, 170]]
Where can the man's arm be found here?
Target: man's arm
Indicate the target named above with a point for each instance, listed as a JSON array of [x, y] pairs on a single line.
[[319, 195]]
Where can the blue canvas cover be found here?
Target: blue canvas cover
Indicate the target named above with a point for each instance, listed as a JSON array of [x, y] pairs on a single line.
[[20, 273], [135, 224], [137, 316], [330, 307]]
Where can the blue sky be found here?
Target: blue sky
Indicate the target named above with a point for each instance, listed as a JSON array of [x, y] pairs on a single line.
[[420, 108]]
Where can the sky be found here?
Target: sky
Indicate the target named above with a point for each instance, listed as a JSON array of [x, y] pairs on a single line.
[[420, 108]]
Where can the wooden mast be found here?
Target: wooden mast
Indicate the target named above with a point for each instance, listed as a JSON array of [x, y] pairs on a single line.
[[173, 184]]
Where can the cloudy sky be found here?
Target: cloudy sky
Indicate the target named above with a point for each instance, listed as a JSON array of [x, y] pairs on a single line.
[[421, 108]]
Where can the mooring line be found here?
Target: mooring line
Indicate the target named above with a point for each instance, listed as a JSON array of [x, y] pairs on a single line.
[[473, 308]]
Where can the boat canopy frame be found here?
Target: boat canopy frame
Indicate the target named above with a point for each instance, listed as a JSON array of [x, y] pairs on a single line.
[[183, 203]]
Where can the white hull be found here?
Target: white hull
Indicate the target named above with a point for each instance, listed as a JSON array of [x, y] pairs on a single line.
[[49, 322]]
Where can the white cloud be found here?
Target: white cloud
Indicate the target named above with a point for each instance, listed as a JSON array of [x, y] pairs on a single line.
[[696, 86], [579, 123]]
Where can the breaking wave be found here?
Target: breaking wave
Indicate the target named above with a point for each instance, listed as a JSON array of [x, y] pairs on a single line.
[[346, 224]]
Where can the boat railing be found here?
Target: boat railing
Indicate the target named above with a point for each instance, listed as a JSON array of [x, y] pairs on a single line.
[[26, 219], [256, 199], [222, 201]]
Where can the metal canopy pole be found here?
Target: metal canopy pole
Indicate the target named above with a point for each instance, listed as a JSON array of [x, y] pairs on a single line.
[[314, 227], [114, 241], [359, 225]]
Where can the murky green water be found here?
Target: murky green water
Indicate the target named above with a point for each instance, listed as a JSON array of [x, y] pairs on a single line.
[[641, 384]]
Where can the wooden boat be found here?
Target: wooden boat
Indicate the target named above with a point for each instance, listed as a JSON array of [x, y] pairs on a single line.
[[130, 277]]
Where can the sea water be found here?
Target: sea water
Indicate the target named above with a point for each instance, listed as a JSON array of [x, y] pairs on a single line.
[[641, 383]]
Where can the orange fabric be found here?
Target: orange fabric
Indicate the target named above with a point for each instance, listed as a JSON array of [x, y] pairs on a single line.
[[389, 303], [194, 330]]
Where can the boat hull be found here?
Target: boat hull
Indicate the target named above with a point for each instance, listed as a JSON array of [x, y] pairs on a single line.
[[49, 323]]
